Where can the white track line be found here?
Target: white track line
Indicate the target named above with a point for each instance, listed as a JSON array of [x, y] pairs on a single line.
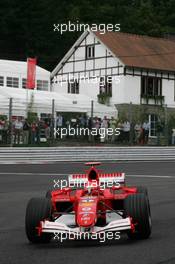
[[149, 176], [33, 173]]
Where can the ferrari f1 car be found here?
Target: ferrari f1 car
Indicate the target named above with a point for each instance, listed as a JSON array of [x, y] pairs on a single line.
[[93, 202]]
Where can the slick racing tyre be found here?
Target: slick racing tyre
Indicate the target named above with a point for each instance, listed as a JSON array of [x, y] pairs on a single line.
[[137, 207], [142, 189], [48, 194], [37, 210]]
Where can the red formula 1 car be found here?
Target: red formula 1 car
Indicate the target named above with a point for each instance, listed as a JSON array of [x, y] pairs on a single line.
[[92, 203]]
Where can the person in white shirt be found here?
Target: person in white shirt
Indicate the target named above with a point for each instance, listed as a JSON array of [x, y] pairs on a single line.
[[173, 136], [59, 124], [59, 121], [112, 125], [146, 128], [137, 129], [18, 126], [104, 125], [126, 130]]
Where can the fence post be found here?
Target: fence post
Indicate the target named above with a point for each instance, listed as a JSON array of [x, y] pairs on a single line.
[[53, 120], [92, 114], [131, 124], [166, 125], [92, 109], [10, 122]]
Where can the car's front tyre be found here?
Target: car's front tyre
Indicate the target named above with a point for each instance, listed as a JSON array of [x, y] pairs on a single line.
[[137, 207], [37, 210]]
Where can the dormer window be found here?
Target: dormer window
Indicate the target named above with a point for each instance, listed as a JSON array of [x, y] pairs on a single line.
[[90, 52]]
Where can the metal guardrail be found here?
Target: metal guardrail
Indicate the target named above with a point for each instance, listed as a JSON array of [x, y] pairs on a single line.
[[56, 154]]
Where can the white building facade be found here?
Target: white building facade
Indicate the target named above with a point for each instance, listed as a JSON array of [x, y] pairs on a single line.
[[13, 77], [13, 74]]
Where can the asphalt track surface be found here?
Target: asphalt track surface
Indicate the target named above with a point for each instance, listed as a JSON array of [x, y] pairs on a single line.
[[18, 183]]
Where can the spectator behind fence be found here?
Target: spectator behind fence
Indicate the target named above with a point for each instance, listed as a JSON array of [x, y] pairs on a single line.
[[138, 133], [82, 121], [59, 121], [173, 137], [26, 129], [112, 124], [1, 130], [146, 127], [18, 126], [126, 130], [5, 132], [96, 125], [47, 131], [105, 125], [120, 127], [39, 127], [33, 133], [89, 126]]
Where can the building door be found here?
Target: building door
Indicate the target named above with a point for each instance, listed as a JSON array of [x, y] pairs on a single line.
[[153, 120]]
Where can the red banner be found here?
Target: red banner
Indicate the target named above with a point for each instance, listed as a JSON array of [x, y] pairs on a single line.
[[31, 73]]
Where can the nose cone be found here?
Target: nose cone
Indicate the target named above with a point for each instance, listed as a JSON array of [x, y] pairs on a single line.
[[87, 220], [87, 212]]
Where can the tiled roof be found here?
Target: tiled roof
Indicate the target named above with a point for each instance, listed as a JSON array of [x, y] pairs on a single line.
[[141, 51]]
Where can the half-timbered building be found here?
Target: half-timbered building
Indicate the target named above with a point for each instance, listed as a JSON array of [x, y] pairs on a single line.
[[120, 69]]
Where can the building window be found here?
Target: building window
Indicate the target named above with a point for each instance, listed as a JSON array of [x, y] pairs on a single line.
[[42, 85], [90, 51], [12, 82], [24, 83], [153, 120], [73, 87], [106, 85], [151, 86], [1, 81]]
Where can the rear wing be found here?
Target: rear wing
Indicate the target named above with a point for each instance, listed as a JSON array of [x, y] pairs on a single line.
[[81, 180]]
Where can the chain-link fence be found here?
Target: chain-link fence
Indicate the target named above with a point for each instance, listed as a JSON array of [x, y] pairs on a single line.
[[32, 124]]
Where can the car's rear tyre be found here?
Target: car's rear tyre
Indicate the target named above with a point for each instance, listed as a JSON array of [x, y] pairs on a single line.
[[37, 210], [49, 194], [142, 189], [137, 207]]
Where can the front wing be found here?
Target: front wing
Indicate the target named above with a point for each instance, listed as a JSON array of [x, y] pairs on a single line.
[[59, 228]]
